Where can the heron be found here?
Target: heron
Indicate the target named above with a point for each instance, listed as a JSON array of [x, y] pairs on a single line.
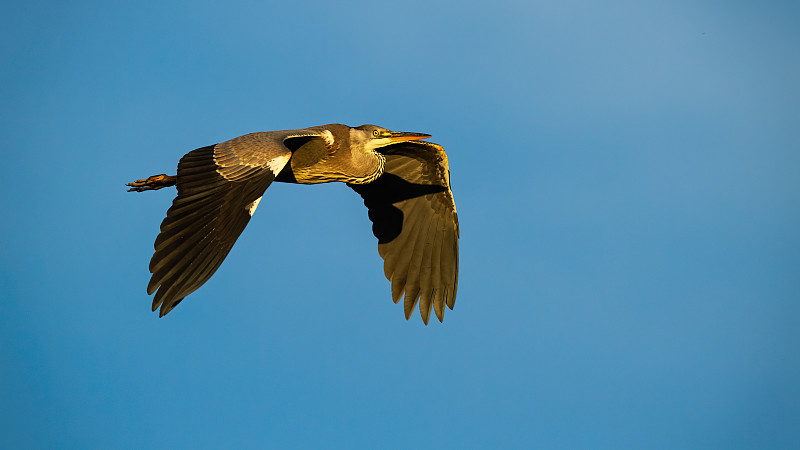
[[404, 182]]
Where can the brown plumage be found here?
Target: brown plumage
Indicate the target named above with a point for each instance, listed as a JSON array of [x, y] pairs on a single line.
[[405, 184]]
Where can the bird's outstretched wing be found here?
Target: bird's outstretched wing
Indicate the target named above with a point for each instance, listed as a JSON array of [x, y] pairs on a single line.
[[219, 188], [414, 218]]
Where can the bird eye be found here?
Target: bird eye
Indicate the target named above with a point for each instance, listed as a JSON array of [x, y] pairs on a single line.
[[376, 133]]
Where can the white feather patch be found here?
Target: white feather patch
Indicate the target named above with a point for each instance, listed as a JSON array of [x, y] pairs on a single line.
[[276, 164], [328, 136], [251, 208]]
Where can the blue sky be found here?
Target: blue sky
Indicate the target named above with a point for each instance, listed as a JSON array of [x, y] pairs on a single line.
[[626, 175]]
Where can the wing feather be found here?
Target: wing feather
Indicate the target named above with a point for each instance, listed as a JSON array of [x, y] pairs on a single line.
[[414, 218], [216, 186]]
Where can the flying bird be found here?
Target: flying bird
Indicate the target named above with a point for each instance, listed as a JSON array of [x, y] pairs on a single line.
[[404, 181]]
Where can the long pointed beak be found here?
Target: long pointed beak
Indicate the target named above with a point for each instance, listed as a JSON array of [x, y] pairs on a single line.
[[401, 136]]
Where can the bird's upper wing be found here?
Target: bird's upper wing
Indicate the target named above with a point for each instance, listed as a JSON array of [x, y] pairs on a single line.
[[414, 218], [219, 188]]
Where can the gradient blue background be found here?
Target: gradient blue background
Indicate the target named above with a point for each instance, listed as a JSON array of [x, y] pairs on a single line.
[[627, 175]]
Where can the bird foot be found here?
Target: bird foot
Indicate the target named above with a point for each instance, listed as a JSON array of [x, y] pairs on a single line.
[[153, 183]]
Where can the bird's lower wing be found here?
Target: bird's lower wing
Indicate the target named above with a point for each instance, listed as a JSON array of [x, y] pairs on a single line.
[[219, 188], [414, 218]]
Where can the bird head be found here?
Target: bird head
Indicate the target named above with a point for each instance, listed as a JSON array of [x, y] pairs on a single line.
[[374, 137]]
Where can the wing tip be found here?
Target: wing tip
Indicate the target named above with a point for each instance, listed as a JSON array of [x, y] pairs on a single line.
[[167, 307]]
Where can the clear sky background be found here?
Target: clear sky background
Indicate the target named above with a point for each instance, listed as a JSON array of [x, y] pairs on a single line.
[[627, 175]]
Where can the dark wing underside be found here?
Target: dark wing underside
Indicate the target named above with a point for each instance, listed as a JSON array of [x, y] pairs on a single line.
[[218, 189], [414, 218]]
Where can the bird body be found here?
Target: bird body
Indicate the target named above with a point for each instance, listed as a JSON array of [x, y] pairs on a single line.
[[405, 184], [343, 158]]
